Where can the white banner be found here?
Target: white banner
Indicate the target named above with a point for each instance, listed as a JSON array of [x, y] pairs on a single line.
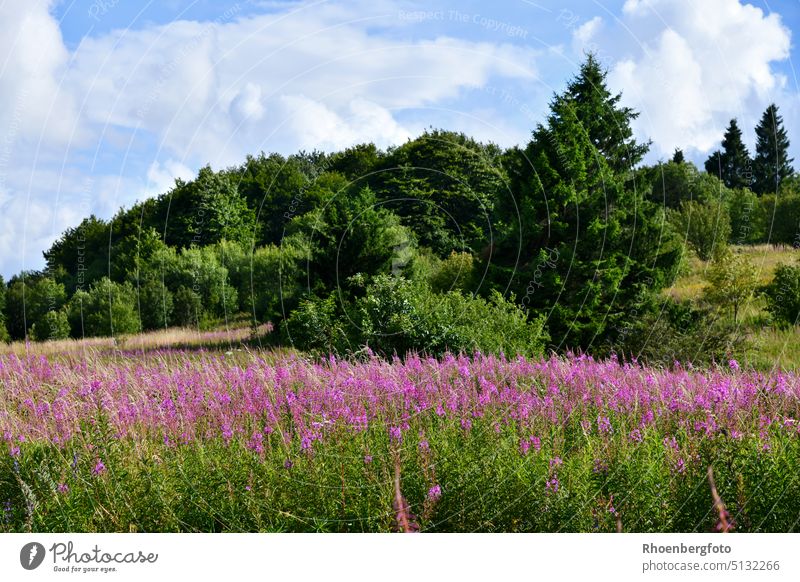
[[400, 557]]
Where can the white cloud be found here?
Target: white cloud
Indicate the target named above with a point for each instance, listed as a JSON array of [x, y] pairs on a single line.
[[706, 63], [161, 177], [583, 36], [162, 100]]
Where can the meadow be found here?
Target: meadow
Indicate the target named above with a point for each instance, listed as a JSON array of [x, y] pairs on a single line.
[[250, 440]]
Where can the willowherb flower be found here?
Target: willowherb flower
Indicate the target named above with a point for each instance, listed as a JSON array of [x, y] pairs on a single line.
[[395, 434], [435, 492], [367, 459], [63, 488], [552, 484], [556, 462], [734, 365], [99, 467]]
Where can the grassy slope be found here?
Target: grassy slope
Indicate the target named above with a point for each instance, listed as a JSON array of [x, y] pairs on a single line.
[[767, 346]]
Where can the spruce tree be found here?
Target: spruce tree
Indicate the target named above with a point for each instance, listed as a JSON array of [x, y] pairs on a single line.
[[772, 163], [677, 157], [607, 124], [589, 247], [732, 165]]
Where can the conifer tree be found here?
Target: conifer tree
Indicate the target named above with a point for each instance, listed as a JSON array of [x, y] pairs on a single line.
[[732, 165], [772, 164]]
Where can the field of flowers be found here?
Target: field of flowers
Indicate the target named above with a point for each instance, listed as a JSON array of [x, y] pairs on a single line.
[[260, 441]]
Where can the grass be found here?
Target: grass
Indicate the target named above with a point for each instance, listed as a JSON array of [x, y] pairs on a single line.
[[174, 338], [765, 258]]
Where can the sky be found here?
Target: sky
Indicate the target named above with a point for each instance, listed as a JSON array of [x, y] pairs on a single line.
[[104, 103]]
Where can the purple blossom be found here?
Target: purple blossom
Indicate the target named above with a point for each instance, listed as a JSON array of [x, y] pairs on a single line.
[[435, 492], [99, 467]]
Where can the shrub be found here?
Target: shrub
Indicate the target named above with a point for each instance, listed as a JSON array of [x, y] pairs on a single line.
[[396, 316], [783, 295], [107, 309], [54, 325], [705, 226]]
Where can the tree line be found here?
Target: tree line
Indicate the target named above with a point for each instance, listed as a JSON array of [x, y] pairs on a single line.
[[440, 243]]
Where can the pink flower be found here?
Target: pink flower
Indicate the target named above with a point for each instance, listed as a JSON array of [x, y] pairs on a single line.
[[63, 488], [435, 492], [99, 467]]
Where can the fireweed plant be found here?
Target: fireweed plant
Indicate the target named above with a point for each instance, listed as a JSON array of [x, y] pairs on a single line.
[[205, 441]]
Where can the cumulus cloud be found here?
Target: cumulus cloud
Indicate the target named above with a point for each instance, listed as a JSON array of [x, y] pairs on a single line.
[[162, 100], [700, 64]]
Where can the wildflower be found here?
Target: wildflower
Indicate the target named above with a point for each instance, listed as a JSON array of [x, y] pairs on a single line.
[[287, 464], [604, 425], [424, 445], [552, 484], [15, 451], [248, 488], [395, 433], [556, 462], [636, 435], [99, 467], [63, 488], [435, 492], [367, 459], [734, 365]]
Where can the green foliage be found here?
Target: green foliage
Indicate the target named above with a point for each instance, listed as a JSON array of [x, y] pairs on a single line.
[[107, 309], [188, 310], [456, 272], [672, 331], [732, 281], [29, 298], [4, 337], [351, 233], [54, 325], [207, 210], [746, 217], [444, 186], [706, 227], [395, 316], [783, 296], [156, 304], [772, 164]]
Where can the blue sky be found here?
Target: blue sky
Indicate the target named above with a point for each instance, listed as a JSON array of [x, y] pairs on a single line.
[[106, 102]]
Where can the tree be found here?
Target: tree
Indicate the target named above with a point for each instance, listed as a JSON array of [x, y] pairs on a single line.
[[783, 295], [732, 281], [54, 325], [677, 157], [207, 210], [705, 226], [107, 309], [606, 123], [772, 164], [589, 243], [732, 165], [29, 298]]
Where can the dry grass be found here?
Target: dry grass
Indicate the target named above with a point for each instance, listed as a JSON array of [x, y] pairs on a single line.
[[765, 258], [153, 340]]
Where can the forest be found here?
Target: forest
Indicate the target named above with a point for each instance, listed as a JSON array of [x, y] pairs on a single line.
[[445, 244]]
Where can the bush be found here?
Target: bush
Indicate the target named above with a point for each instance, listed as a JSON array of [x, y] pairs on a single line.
[[396, 316], [54, 325], [455, 272], [783, 295], [155, 303], [188, 307], [705, 226], [678, 331], [107, 309]]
